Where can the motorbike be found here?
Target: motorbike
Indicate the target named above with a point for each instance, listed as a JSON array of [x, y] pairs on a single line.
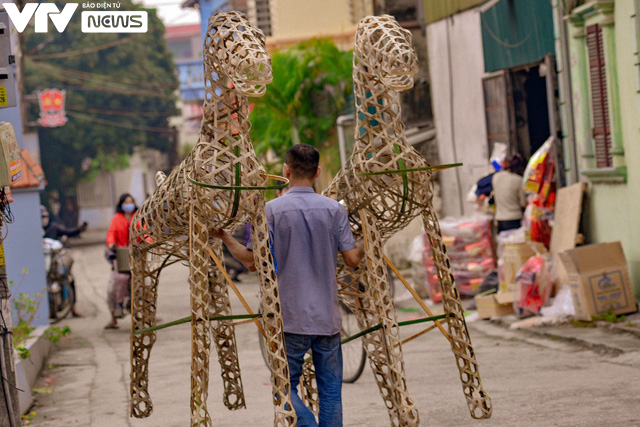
[[60, 282]]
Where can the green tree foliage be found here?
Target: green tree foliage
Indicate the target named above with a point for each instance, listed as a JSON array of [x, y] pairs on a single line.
[[120, 92], [311, 85]]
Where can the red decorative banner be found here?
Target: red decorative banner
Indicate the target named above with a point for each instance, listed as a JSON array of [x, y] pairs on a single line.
[[52, 112]]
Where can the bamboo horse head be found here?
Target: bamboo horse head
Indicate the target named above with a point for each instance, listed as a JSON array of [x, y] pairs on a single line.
[[384, 63]]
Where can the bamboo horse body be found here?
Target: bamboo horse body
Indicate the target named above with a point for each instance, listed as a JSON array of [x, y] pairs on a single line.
[[380, 204], [236, 66]]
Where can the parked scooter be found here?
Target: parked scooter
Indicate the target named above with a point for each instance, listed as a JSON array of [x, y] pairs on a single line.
[[60, 282]]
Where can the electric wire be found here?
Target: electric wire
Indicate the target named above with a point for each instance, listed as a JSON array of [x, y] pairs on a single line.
[[120, 125], [3, 368], [5, 209], [118, 113], [85, 50], [102, 86], [85, 75]]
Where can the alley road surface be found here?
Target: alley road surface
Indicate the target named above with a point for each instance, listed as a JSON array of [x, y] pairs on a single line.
[[531, 381]]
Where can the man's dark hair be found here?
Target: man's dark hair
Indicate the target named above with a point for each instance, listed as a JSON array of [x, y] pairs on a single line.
[[121, 202], [303, 160]]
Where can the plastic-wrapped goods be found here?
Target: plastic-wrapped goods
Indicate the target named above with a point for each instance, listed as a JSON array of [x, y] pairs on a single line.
[[536, 169], [498, 155], [533, 285], [470, 249]]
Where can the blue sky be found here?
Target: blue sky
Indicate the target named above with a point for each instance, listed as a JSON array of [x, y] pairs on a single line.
[[172, 14]]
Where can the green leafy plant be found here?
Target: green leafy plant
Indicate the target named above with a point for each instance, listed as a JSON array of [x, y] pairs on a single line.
[[29, 417], [26, 308], [608, 316], [310, 88], [54, 333], [23, 352]]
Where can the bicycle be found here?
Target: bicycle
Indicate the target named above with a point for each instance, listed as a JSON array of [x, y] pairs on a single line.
[[60, 281], [354, 355]]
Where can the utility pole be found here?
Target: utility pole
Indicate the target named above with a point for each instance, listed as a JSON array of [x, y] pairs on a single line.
[[19, 55], [9, 409], [9, 405]]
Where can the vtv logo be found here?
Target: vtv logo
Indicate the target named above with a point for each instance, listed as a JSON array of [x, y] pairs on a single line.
[[42, 11]]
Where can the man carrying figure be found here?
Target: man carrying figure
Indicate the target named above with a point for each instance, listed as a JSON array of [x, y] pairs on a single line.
[[307, 230]]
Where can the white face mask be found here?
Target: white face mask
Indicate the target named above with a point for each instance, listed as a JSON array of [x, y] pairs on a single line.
[[128, 207]]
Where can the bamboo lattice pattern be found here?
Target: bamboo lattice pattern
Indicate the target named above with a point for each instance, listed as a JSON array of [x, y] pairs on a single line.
[[380, 204], [213, 188]]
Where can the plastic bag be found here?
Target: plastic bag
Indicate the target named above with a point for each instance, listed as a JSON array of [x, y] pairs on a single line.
[[469, 246], [562, 305], [534, 174], [533, 286], [498, 155]]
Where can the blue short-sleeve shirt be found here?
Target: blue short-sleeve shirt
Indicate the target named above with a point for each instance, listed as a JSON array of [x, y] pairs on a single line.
[[307, 231]]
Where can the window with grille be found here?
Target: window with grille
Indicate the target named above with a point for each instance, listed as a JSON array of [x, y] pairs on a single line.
[[599, 100], [263, 16]]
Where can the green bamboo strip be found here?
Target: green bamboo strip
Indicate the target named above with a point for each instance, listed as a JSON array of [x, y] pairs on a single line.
[[425, 168], [188, 319], [254, 316], [237, 182], [405, 323]]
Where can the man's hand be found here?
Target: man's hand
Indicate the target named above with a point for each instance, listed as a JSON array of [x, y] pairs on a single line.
[[239, 251], [217, 234]]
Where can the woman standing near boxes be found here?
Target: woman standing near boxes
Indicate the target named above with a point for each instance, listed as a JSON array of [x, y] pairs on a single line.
[[117, 240], [509, 195]]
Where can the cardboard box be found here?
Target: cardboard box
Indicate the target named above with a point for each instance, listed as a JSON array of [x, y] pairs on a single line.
[[488, 306], [599, 280], [514, 255]]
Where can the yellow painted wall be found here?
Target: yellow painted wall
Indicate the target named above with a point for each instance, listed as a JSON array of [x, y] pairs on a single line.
[[306, 18]]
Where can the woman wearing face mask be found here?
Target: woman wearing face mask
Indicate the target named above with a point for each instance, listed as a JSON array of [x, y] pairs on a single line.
[[118, 236]]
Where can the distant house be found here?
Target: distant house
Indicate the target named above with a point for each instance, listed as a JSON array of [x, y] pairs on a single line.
[[185, 42], [492, 80], [603, 45], [23, 244]]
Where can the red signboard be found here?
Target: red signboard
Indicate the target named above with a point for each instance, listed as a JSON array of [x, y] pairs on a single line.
[[52, 112]]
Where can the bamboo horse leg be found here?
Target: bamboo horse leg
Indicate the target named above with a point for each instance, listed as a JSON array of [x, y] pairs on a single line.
[[386, 360], [272, 321], [478, 401], [143, 315], [200, 327], [225, 338]]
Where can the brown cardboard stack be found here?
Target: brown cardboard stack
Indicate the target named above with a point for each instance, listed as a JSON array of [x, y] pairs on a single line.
[[489, 306], [514, 255], [599, 280]]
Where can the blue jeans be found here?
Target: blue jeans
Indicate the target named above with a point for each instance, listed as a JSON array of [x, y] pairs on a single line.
[[327, 360]]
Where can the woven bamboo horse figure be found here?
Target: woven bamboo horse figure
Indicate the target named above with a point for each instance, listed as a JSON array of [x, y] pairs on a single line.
[[384, 63], [236, 66]]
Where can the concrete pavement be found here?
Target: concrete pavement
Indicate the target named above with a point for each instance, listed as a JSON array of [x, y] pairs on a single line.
[[532, 378]]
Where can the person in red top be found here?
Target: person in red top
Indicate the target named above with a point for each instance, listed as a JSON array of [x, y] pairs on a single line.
[[118, 236]]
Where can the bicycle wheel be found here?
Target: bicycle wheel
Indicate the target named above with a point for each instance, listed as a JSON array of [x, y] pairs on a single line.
[[354, 355]]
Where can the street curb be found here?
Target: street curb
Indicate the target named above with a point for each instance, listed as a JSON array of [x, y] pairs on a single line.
[[539, 332], [28, 370]]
